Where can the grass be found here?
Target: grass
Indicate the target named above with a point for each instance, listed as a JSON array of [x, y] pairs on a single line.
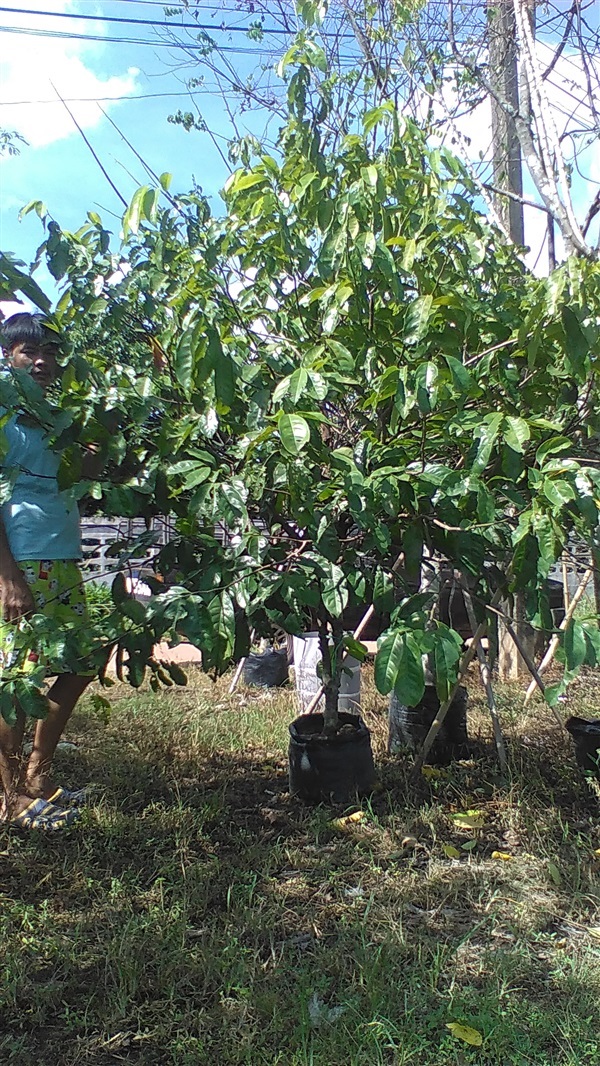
[[202, 915]]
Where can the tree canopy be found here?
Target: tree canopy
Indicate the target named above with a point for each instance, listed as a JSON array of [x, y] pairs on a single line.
[[346, 364]]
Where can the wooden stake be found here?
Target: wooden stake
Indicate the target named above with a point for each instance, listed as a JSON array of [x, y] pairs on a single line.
[[487, 684], [531, 667], [549, 656]]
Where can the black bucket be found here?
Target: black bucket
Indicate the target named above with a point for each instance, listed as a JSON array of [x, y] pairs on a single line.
[[408, 726], [267, 669], [586, 737], [337, 768]]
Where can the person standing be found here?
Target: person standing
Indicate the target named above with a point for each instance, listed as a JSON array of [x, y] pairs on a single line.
[[40, 549]]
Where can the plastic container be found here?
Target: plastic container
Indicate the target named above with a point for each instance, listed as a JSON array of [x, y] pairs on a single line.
[[408, 726], [337, 768], [307, 656]]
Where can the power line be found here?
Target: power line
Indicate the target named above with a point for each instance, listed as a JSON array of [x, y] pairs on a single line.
[[119, 19], [187, 47], [101, 99]]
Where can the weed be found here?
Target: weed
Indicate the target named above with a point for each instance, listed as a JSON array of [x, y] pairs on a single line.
[[202, 915]]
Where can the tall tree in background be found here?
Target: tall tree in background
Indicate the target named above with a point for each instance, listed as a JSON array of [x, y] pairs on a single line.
[[538, 68]]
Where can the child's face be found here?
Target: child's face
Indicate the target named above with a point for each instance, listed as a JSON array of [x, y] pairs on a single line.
[[38, 359]]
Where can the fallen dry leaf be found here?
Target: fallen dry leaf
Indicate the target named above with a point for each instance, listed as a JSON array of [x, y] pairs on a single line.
[[451, 852], [431, 773], [469, 819], [555, 873], [349, 820], [504, 856], [465, 1033]]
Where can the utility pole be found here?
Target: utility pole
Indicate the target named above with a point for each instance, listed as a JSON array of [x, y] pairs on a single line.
[[508, 176], [506, 150]]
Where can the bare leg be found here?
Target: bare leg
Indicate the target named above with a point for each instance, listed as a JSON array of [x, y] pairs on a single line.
[[62, 698], [11, 765]]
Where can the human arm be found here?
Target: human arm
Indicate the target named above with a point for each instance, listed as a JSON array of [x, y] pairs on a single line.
[[15, 595]]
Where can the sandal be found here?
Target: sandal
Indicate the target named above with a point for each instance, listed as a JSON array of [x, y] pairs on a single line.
[[70, 797], [41, 814]]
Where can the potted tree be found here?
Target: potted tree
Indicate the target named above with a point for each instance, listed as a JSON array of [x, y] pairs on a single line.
[[348, 365]]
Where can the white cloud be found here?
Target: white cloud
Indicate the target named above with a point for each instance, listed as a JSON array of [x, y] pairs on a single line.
[[31, 65]]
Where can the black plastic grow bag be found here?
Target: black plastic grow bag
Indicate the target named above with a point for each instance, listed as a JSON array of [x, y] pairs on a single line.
[[408, 726], [586, 737], [269, 669], [337, 767]]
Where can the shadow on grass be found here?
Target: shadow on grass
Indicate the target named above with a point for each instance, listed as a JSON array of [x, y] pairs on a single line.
[[202, 915]]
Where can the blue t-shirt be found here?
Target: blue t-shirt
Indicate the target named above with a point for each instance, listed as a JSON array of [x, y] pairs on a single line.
[[41, 522]]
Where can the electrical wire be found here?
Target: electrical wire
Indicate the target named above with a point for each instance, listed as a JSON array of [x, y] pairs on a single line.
[[149, 22]]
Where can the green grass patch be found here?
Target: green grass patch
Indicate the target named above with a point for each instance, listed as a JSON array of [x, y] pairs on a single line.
[[202, 915]]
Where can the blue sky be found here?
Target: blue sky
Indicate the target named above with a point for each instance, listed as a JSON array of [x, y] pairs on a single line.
[[56, 166]]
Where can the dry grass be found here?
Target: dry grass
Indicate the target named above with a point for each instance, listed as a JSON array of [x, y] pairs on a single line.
[[201, 915]]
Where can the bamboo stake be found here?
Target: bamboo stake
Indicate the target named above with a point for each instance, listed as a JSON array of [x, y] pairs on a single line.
[[487, 684], [362, 625], [533, 670], [549, 656], [438, 721]]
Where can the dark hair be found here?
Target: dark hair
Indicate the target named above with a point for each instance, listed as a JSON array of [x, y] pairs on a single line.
[[25, 328]]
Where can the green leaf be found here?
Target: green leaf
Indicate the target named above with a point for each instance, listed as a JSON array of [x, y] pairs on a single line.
[[355, 648], [294, 433], [135, 212], [409, 685], [486, 436], [574, 645], [224, 379], [297, 384], [461, 378], [446, 655], [577, 346], [559, 492], [33, 703], [426, 387], [136, 668], [334, 590], [281, 389], [383, 591], [417, 319], [241, 180], [222, 615], [8, 711], [183, 361], [388, 660], [554, 446], [516, 433]]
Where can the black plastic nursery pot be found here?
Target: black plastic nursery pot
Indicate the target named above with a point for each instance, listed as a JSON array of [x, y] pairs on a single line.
[[408, 727], [586, 737], [338, 767]]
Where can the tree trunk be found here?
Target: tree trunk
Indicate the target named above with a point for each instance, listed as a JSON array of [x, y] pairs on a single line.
[[331, 659]]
